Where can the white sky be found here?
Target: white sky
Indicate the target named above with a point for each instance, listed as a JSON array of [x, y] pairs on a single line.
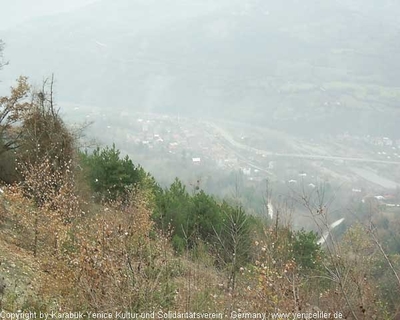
[[13, 12]]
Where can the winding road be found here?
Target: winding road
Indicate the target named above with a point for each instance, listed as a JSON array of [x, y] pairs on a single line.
[[228, 137]]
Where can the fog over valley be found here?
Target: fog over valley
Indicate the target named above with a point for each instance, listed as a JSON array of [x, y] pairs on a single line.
[[200, 159], [307, 68]]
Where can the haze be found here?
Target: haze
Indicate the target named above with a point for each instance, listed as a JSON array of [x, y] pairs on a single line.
[[273, 89]]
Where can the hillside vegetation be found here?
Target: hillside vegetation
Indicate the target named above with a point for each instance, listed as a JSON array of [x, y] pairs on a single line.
[[92, 232]]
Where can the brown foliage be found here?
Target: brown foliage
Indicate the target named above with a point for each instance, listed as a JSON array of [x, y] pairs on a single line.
[[45, 157], [51, 186], [115, 255], [106, 260], [12, 110]]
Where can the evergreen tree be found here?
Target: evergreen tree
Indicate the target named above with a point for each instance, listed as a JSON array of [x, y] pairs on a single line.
[[306, 251], [111, 177]]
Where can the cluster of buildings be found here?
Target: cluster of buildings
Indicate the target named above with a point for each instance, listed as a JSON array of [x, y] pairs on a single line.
[[191, 142], [183, 138], [373, 141], [382, 147], [384, 141], [197, 144], [387, 200]]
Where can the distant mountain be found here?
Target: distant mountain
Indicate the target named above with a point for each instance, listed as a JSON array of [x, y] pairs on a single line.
[[308, 67]]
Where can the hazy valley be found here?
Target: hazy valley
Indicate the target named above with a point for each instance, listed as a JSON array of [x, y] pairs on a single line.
[[225, 156]]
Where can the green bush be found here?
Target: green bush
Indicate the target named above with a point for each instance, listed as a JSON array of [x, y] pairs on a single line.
[[110, 176], [306, 250]]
